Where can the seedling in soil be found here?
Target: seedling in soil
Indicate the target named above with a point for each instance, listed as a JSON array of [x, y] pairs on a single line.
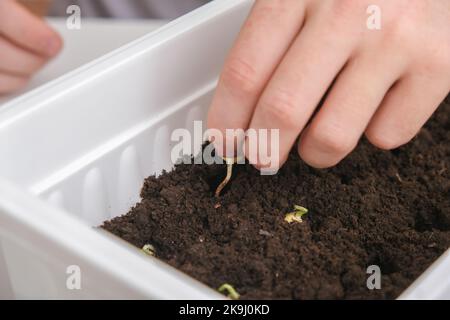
[[231, 292], [296, 215], [149, 249], [229, 162]]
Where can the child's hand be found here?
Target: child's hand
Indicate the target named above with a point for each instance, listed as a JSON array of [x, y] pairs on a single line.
[[26, 44], [387, 82]]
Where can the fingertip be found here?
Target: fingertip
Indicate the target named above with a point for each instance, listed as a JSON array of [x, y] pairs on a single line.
[[384, 140], [46, 40], [29, 31], [313, 158], [268, 162], [53, 44]]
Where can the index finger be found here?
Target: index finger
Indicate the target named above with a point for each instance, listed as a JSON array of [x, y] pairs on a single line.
[[26, 30], [261, 45]]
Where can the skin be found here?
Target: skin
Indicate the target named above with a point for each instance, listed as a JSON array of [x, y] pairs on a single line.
[[26, 44], [291, 54]]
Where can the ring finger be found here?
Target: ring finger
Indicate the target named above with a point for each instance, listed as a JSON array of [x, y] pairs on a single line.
[[359, 90]]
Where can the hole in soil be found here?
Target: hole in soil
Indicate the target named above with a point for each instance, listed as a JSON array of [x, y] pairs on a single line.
[[346, 180], [396, 152], [217, 173], [215, 178]]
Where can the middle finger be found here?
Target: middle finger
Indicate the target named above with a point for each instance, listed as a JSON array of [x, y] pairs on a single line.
[[299, 83]]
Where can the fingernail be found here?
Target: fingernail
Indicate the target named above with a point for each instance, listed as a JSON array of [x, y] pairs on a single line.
[[266, 160], [251, 153]]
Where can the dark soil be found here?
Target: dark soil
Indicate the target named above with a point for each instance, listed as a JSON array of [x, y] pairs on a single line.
[[388, 208]]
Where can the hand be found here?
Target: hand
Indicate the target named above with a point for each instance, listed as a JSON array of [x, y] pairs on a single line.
[[291, 54], [26, 44]]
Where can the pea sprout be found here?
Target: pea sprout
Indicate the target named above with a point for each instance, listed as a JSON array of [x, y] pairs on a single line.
[[149, 250], [231, 292], [296, 215]]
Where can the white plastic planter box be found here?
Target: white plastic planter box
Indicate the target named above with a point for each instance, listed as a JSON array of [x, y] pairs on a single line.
[[75, 153]]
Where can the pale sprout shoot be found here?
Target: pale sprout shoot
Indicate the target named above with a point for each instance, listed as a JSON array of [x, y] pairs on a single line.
[[149, 250], [296, 215], [231, 292], [229, 162]]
